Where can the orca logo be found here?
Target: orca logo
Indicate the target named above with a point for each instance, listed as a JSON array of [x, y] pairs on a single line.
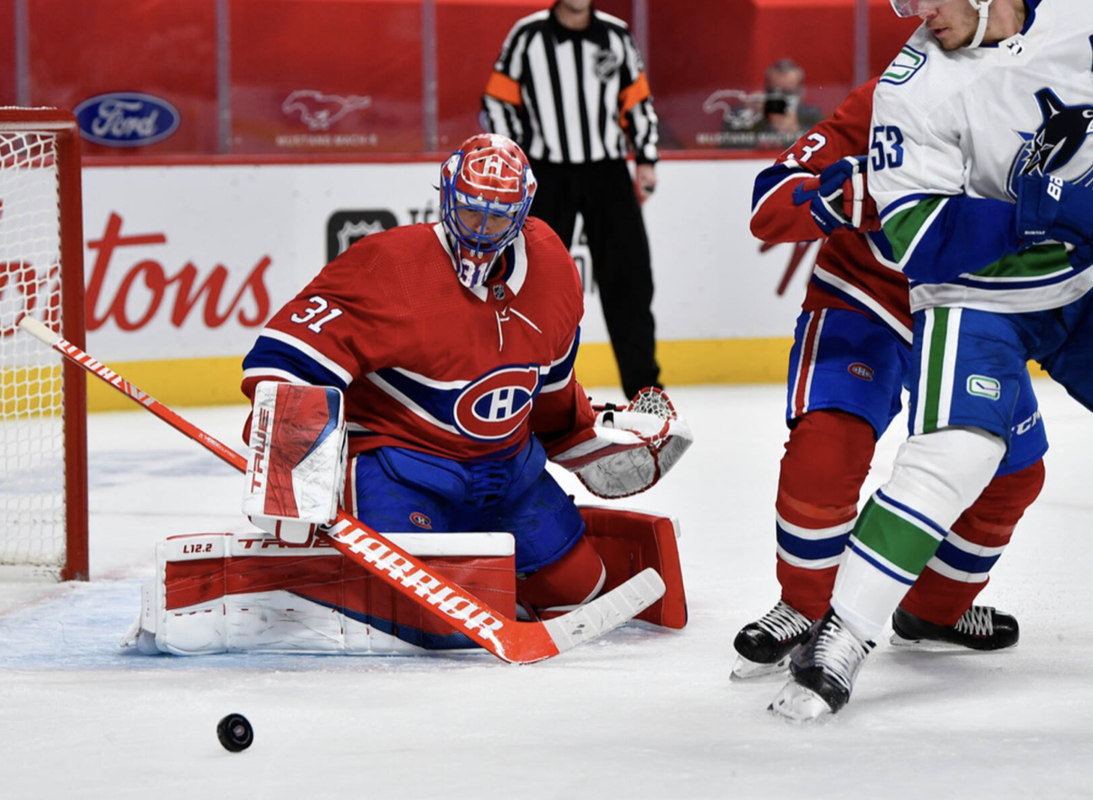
[[126, 119], [1054, 145], [496, 405], [346, 227]]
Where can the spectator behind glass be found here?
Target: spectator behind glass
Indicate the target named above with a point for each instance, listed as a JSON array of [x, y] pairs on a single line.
[[771, 119], [783, 111]]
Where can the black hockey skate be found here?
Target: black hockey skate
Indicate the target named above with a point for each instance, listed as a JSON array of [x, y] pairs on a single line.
[[823, 671], [764, 645], [980, 628]]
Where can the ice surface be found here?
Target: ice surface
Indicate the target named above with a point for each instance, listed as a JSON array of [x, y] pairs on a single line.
[[639, 714]]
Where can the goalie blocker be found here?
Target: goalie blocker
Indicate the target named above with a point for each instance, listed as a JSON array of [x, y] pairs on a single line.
[[220, 592]]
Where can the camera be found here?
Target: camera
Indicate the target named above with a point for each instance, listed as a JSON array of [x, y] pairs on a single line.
[[774, 104]]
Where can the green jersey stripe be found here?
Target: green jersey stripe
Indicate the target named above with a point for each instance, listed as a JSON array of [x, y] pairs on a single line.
[[907, 225]]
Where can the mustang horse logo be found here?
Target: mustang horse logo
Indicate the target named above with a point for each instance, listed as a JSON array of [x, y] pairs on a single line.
[[319, 111]]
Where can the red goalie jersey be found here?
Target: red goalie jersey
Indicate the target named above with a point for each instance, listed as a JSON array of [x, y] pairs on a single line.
[[428, 364], [853, 271]]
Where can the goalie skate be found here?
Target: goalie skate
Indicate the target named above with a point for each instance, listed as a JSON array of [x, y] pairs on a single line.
[[823, 670], [763, 647], [979, 628]]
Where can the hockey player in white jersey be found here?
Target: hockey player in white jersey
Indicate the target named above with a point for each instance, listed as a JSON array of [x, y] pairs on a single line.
[[981, 165]]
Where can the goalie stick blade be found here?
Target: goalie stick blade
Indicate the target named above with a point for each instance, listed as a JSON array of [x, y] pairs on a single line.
[[606, 613]]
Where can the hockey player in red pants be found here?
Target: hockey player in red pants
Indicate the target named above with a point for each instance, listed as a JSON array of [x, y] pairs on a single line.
[[848, 364]]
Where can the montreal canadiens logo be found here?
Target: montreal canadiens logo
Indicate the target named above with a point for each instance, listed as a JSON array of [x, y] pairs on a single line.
[[495, 406], [421, 520], [859, 370]]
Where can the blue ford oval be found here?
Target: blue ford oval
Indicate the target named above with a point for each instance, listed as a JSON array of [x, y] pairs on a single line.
[[126, 119]]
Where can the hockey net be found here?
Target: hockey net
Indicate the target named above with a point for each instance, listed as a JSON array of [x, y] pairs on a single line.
[[43, 461]]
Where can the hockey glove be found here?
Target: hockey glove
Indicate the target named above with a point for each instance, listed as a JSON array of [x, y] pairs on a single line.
[[837, 197], [296, 469], [1051, 208], [632, 446]]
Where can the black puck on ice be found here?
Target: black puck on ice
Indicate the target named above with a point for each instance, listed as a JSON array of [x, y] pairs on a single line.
[[235, 733]]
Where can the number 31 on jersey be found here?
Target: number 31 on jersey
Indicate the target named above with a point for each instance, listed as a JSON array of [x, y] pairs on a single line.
[[319, 305]]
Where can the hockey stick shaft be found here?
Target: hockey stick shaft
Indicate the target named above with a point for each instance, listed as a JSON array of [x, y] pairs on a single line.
[[509, 640]]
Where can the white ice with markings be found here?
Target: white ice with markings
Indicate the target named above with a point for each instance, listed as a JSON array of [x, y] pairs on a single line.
[[641, 713]]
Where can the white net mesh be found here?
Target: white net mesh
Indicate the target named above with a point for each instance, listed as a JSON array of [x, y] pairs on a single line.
[[653, 401], [32, 454]]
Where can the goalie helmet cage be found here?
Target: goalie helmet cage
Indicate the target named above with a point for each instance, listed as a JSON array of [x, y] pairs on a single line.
[[43, 435]]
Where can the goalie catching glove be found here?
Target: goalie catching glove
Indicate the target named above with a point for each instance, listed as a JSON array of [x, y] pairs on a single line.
[[629, 448], [296, 468]]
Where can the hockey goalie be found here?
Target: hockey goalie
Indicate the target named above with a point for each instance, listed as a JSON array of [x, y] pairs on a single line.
[[421, 382]]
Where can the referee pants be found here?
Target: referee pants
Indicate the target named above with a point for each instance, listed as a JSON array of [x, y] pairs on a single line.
[[603, 193]]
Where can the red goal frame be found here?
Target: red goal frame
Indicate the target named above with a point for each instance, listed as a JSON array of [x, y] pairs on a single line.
[[62, 124]]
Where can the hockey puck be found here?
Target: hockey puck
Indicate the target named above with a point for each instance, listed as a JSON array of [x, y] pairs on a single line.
[[235, 733]]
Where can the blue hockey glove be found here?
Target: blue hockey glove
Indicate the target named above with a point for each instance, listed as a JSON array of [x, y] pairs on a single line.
[[837, 197], [1051, 208]]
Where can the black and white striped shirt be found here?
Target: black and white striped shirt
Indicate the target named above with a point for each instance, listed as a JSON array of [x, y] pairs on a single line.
[[571, 97]]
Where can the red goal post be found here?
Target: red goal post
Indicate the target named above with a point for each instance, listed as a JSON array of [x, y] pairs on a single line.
[[43, 408]]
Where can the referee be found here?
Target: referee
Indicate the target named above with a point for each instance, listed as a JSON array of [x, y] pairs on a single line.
[[570, 88]]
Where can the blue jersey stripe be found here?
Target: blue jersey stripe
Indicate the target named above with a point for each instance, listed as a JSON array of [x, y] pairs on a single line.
[[560, 371], [274, 354], [438, 403], [969, 234], [768, 180]]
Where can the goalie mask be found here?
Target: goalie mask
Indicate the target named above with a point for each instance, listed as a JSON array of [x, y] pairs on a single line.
[[916, 8], [486, 189]]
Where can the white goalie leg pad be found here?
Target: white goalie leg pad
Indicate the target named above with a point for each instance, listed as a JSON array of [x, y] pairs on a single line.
[[296, 467], [231, 593], [937, 475]]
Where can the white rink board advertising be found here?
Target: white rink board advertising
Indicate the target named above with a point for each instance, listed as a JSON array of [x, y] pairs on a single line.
[[188, 262]]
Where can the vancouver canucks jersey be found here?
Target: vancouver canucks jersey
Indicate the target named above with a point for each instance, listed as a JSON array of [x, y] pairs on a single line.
[[952, 133]]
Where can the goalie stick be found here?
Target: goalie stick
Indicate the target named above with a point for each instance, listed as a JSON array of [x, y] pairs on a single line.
[[509, 640]]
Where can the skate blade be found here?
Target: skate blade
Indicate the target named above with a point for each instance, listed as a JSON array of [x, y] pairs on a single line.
[[798, 703], [926, 645], [745, 670]]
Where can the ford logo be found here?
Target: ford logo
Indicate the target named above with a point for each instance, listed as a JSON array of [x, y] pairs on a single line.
[[126, 119]]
